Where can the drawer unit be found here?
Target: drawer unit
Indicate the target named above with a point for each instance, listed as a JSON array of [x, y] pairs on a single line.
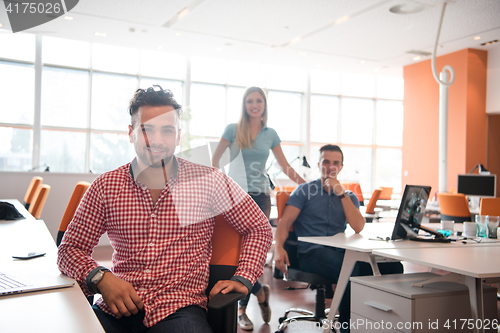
[[390, 304]]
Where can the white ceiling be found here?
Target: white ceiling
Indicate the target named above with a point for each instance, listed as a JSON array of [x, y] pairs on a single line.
[[304, 33]]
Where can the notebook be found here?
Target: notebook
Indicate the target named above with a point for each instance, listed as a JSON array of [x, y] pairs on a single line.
[[14, 284]]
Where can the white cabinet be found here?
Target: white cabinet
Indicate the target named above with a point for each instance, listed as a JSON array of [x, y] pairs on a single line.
[[389, 303]]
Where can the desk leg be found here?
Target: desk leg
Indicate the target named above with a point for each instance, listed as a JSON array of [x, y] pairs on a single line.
[[350, 259], [475, 286]]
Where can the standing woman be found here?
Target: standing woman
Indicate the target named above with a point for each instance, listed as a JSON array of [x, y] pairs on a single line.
[[254, 139]]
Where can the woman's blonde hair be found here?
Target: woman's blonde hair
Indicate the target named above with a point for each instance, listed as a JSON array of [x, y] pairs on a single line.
[[243, 135]]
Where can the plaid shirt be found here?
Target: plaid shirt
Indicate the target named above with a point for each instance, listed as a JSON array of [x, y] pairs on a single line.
[[163, 250]]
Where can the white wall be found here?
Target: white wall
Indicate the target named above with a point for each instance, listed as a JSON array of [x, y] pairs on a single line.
[[13, 185], [493, 82]]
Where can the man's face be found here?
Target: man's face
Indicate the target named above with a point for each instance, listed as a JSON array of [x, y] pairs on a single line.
[[155, 133], [330, 163]]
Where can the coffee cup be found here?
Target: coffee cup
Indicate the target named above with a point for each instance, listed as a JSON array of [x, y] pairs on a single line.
[[470, 229], [448, 225]]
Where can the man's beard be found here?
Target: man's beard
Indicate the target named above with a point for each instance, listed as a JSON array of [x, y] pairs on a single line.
[[146, 157]]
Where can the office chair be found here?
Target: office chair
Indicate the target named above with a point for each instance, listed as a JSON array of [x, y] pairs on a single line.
[[315, 281], [39, 201], [489, 206], [454, 207], [370, 208], [74, 201], [386, 193], [356, 189], [226, 248], [29, 197]]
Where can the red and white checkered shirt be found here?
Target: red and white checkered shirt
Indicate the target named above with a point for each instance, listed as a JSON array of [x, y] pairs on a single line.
[[163, 250]]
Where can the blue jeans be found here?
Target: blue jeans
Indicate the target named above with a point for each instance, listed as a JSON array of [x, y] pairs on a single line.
[[327, 262], [263, 200], [186, 320]]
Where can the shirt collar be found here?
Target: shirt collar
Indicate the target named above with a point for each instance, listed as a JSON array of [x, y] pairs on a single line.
[[134, 166]]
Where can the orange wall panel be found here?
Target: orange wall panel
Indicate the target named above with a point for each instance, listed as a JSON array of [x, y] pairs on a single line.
[[466, 108]]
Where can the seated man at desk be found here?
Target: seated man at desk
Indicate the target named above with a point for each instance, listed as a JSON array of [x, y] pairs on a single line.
[[158, 212], [323, 208]]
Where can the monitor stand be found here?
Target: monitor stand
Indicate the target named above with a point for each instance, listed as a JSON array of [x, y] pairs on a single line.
[[438, 237]]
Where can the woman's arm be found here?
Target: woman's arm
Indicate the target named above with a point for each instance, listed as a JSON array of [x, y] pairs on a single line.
[[221, 148], [287, 169]]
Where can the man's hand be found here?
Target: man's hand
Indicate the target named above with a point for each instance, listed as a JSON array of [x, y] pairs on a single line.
[[281, 261], [119, 295], [226, 286], [332, 184]]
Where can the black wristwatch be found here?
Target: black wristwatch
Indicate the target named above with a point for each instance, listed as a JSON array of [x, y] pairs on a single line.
[[94, 277], [343, 195]]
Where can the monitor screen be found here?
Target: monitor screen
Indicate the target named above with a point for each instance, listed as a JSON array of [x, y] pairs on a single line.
[[477, 185], [411, 211]]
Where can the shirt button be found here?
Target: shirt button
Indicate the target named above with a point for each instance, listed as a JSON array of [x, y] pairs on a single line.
[[153, 215], [151, 244], [147, 271]]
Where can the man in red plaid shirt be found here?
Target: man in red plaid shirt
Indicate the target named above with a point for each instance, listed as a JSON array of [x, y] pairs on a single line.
[[158, 212]]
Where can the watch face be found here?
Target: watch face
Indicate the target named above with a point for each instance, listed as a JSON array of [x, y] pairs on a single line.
[[97, 277]]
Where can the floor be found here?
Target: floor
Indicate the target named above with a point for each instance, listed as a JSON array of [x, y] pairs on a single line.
[[280, 299]]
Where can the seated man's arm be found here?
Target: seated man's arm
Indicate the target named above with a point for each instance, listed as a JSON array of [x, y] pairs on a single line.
[[75, 255], [352, 214], [281, 257], [245, 216], [350, 204]]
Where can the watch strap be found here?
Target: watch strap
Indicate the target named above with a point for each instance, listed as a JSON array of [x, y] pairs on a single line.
[[93, 272], [343, 195]]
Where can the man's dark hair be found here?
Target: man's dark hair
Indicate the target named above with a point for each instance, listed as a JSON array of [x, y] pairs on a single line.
[[153, 97], [332, 148]]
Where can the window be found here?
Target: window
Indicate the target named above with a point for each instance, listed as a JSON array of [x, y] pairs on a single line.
[[324, 119], [17, 46], [115, 59], [16, 149], [63, 151], [110, 98], [66, 52], [109, 150], [208, 109], [65, 97], [390, 123], [174, 86], [356, 121], [358, 85], [208, 70], [86, 89], [18, 93], [285, 105], [163, 64], [388, 168]]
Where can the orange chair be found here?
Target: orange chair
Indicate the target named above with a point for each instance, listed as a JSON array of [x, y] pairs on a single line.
[[29, 197], [454, 207], [386, 193], [74, 201], [226, 249], [489, 206], [281, 200], [370, 208], [39, 202], [356, 189]]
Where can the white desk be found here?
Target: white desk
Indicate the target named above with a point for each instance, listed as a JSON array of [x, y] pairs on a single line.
[[360, 247], [471, 266], [59, 310]]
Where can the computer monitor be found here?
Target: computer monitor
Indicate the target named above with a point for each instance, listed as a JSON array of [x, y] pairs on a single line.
[[411, 211], [477, 185]]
